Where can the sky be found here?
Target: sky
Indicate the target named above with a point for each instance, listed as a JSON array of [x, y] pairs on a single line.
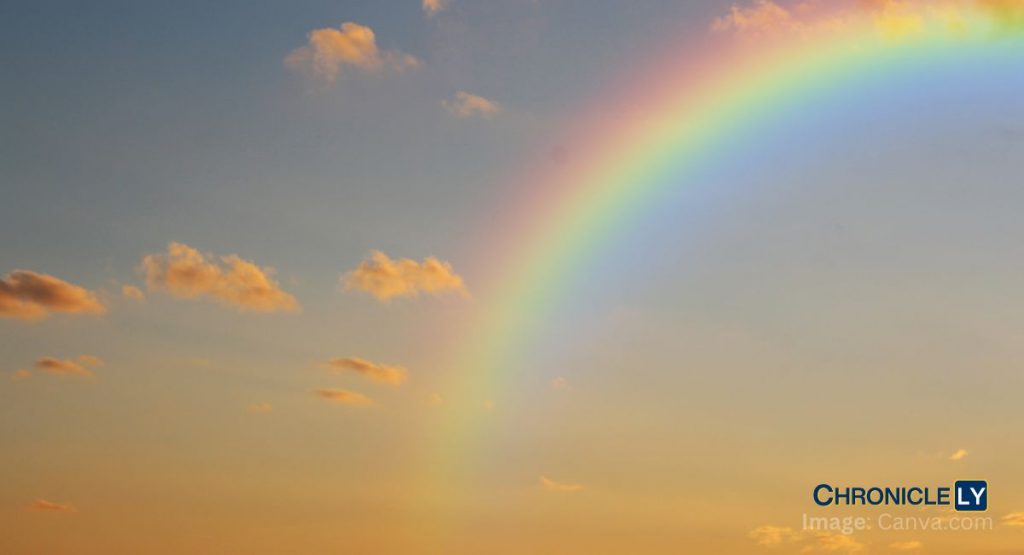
[[245, 244]]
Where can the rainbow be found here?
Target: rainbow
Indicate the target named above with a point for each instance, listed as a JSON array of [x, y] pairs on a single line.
[[744, 78]]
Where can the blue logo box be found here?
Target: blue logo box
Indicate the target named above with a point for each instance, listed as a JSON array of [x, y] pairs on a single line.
[[971, 495]]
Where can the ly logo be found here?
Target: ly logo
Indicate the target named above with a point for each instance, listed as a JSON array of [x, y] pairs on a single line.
[[971, 495]]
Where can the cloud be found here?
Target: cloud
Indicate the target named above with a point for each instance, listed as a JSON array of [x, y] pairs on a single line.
[[50, 506], [261, 408], [61, 367], [959, 455], [770, 536], [891, 19], [559, 383], [344, 397], [186, 273], [433, 7], [436, 400], [906, 546], [468, 105], [391, 375], [1015, 520], [132, 292], [763, 16], [20, 374], [552, 485], [353, 46], [385, 278], [29, 295], [91, 360], [836, 542]]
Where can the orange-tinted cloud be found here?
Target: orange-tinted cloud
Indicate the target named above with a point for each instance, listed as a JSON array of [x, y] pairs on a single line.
[[391, 375], [344, 397], [432, 7], [50, 506], [32, 296], [959, 455], [62, 367], [763, 16], [353, 46], [1015, 520], [552, 485], [771, 536], [20, 374], [186, 273], [261, 408], [385, 278], [906, 546], [133, 293], [91, 360], [468, 105], [835, 542]]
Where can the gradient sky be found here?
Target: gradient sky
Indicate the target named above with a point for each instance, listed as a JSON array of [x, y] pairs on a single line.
[[840, 303]]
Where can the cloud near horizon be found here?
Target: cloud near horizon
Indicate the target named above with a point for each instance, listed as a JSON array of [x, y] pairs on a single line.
[[552, 485], [352, 46], [29, 295], [959, 455], [467, 105], [344, 397], [67, 367], [386, 279], [381, 373], [906, 546], [1015, 520], [51, 506], [186, 273]]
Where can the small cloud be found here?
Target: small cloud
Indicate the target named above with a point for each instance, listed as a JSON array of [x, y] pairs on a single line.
[[186, 273], [836, 542], [352, 46], [261, 408], [771, 536], [559, 383], [200, 362], [552, 485], [20, 374], [761, 17], [959, 455], [385, 278], [344, 397], [391, 375], [61, 367], [1015, 520], [133, 293], [906, 546], [468, 105], [433, 7], [28, 295], [50, 506], [90, 360]]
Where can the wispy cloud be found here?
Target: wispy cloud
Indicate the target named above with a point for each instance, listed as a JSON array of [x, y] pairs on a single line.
[[1015, 520], [959, 455], [386, 279], [186, 273], [261, 408], [468, 105], [132, 292], [433, 7], [352, 46], [771, 536], [20, 374], [906, 546], [51, 506], [29, 295], [344, 397], [552, 485], [63, 367], [382, 373]]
